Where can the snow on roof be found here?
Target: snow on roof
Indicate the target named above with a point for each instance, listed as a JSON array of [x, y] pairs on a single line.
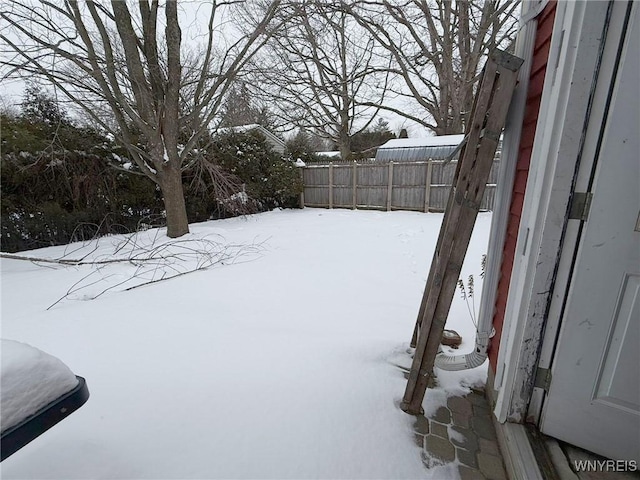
[[328, 154], [443, 140], [29, 380]]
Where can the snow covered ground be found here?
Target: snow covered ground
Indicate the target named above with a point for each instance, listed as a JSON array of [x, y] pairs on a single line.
[[276, 363]]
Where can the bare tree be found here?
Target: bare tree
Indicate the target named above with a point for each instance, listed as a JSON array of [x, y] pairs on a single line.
[[239, 108], [324, 72], [437, 47], [125, 65]]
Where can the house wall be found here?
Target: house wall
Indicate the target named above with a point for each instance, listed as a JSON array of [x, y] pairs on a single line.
[[536, 81], [556, 167], [572, 74]]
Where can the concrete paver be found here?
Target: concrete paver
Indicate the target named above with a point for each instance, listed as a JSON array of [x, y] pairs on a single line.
[[440, 448], [421, 425], [442, 415], [439, 429], [462, 430]]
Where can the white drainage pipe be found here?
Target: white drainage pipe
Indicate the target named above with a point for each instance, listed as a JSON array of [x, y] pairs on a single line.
[[468, 360]]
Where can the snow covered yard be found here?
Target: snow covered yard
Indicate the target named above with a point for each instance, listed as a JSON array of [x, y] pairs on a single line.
[[280, 365]]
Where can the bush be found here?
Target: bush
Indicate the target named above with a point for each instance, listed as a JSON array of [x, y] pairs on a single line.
[[53, 195], [269, 180], [59, 184]]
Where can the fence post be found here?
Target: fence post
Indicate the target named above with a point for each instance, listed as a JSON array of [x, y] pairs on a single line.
[[331, 185], [354, 174], [427, 186], [390, 186], [302, 192]]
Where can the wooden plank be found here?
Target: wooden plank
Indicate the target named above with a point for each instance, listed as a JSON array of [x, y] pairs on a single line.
[[427, 186], [472, 172], [331, 185], [354, 174], [302, 191], [389, 186]]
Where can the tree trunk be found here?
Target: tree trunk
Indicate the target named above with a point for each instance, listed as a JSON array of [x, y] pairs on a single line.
[[345, 151], [344, 140], [174, 205]]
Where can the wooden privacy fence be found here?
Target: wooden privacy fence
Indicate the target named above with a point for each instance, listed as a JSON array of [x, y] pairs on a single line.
[[422, 186]]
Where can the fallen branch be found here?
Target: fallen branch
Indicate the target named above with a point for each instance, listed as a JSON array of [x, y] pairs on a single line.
[[153, 265], [142, 258]]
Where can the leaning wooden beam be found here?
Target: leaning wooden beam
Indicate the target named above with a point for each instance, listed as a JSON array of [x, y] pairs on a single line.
[[472, 137], [472, 173]]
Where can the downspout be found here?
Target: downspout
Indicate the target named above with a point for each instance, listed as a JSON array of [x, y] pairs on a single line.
[[468, 360], [523, 48]]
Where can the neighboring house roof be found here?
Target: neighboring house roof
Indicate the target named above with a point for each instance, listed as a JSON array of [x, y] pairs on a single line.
[[328, 154], [417, 149], [277, 143]]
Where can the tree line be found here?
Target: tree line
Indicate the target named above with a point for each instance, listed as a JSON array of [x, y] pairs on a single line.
[[156, 77], [63, 182]]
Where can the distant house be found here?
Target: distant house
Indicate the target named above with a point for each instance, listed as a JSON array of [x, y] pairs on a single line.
[[276, 143], [329, 155], [418, 149]]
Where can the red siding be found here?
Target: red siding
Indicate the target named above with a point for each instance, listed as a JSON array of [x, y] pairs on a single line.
[[534, 94]]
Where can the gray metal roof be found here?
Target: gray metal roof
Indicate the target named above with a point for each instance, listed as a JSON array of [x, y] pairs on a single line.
[[418, 149]]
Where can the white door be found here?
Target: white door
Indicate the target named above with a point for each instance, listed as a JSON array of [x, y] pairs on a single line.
[[594, 395]]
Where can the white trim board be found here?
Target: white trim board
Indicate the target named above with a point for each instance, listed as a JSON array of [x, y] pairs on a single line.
[[520, 461], [507, 169], [515, 447]]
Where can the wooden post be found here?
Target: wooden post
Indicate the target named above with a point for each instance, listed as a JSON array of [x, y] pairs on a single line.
[[354, 174], [331, 185], [302, 192], [427, 186], [472, 172], [390, 186]]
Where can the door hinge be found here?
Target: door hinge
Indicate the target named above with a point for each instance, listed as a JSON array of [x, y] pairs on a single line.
[[580, 205], [543, 379]]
